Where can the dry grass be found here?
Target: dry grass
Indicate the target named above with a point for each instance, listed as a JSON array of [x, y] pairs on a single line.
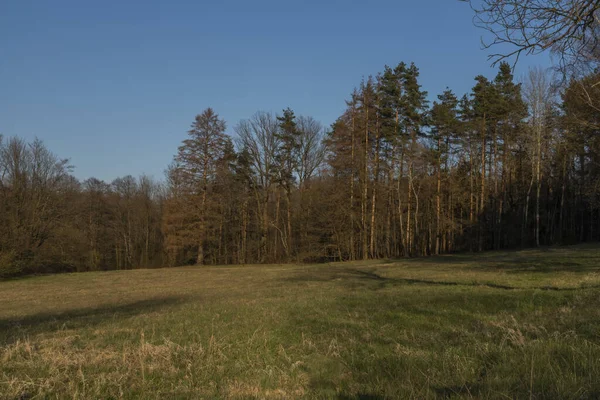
[[497, 325]]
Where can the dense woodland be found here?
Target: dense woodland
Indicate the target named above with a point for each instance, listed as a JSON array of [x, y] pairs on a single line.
[[507, 165]]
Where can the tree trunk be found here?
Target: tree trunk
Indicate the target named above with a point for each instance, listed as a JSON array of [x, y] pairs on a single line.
[[202, 233], [407, 247], [289, 223], [482, 198], [438, 231], [277, 230], [374, 196], [538, 183], [352, 222], [243, 256], [562, 201], [471, 195], [365, 253]]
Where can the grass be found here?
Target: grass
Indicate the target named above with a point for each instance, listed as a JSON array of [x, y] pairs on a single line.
[[495, 325]]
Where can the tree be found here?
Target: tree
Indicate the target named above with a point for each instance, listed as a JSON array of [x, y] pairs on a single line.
[[581, 124], [539, 95], [124, 190], [391, 103], [413, 118], [192, 177], [483, 98], [97, 215], [311, 156], [287, 157], [501, 167], [33, 183], [509, 111], [259, 139], [444, 125], [342, 160], [567, 27]]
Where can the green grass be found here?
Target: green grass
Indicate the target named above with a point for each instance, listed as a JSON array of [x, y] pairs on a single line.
[[495, 325]]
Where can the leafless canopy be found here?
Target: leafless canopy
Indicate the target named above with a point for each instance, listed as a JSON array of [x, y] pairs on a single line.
[[569, 28], [312, 148]]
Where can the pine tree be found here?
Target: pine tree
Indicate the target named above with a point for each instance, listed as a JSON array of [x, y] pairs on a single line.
[[393, 140], [413, 119], [444, 125], [509, 111], [194, 172], [483, 96], [287, 158]]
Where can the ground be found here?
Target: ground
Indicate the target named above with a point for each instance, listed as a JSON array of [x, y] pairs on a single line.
[[523, 324]]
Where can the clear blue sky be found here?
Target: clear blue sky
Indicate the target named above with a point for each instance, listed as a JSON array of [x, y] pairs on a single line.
[[114, 85]]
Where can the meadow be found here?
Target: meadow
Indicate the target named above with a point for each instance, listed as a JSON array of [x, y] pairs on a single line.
[[510, 324]]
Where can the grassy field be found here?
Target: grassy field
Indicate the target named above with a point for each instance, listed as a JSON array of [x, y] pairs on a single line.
[[494, 325]]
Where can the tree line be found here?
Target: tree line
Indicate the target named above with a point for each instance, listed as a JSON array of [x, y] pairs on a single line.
[[507, 165]]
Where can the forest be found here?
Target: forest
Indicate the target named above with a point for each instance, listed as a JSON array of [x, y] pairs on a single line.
[[416, 245], [508, 165]]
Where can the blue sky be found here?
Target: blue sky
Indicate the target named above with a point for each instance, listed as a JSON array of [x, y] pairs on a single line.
[[114, 85]]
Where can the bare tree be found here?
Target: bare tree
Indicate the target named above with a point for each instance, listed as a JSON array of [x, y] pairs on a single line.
[[566, 27], [311, 154], [312, 148], [258, 137], [33, 182]]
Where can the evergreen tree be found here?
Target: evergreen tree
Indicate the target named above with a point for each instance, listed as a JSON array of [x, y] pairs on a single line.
[[287, 157], [195, 173], [444, 125], [413, 112]]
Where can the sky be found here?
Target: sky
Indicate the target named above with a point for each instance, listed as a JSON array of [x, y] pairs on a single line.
[[115, 85]]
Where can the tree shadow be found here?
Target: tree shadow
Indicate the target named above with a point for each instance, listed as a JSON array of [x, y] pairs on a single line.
[[354, 278], [14, 328], [552, 259], [519, 267]]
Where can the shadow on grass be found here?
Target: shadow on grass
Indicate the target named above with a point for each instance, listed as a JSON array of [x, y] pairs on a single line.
[[14, 328], [579, 259], [523, 266], [360, 277]]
